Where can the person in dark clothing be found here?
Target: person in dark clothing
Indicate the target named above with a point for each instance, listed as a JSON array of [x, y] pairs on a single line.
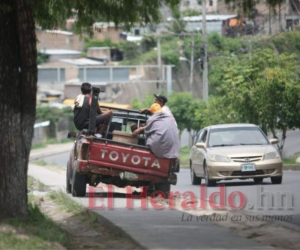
[[82, 107]]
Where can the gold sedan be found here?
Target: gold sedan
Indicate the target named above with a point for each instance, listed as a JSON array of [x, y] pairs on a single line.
[[234, 151]]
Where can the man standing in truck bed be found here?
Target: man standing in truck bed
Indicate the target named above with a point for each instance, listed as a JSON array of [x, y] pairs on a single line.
[[82, 107]]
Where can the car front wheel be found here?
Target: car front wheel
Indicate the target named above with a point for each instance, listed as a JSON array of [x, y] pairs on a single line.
[[258, 180], [276, 180], [209, 182], [194, 179]]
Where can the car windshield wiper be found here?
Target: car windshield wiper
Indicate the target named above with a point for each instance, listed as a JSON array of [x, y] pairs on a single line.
[[224, 145], [252, 144]]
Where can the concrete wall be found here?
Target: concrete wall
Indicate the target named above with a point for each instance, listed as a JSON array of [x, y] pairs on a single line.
[[67, 40]]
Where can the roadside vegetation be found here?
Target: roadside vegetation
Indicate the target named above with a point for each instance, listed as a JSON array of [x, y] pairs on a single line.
[[185, 157], [258, 84], [47, 142], [73, 207], [35, 231], [291, 160]]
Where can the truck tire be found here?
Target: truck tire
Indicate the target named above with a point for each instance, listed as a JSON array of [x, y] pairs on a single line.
[[78, 184], [164, 187], [177, 168], [68, 179]]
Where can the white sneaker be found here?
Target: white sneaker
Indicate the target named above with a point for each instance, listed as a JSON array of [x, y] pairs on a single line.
[[98, 135]]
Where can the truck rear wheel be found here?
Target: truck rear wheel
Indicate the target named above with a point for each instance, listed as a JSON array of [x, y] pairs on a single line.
[[78, 184], [177, 168], [68, 179], [165, 188]]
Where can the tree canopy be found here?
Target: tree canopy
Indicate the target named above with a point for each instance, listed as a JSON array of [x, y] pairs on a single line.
[[247, 7], [264, 90], [52, 13]]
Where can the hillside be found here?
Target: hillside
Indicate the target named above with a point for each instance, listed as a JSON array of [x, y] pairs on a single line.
[[174, 47]]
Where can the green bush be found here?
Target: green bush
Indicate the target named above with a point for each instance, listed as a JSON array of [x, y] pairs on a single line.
[[46, 113]]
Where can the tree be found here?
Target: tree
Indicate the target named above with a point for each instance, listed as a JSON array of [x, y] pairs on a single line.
[[264, 90], [247, 7], [197, 111], [18, 74]]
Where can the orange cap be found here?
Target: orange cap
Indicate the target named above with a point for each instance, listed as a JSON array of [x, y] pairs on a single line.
[[155, 108]]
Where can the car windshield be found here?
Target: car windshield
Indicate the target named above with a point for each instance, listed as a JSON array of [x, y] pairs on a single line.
[[235, 136]]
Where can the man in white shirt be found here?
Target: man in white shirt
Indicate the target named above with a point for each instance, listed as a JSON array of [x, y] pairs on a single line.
[[161, 133], [161, 100]]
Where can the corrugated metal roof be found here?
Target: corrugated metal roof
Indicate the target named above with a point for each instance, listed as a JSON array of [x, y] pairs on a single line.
[[61, 32], [60, 52], [209, 18], [82, 61]]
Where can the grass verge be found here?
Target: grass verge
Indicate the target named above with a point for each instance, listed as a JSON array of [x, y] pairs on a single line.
[[73, 207], [34, 231], [184, 157], [290, 160], [35, 185], [49, 141]]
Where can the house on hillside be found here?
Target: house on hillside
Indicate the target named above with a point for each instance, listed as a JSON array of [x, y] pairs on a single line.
[[211, 5], [58, 39], [214, 23]]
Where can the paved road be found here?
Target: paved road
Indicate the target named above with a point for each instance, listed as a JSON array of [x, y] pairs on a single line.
[[265, 199], [168, 227], [156, 229], [255, 195], [60, 160], [292, 142]]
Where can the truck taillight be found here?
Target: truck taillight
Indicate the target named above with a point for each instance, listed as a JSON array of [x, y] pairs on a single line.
[[84, 151]]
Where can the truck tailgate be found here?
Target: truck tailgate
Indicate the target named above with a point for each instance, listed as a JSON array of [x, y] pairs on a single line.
[[126, 158]]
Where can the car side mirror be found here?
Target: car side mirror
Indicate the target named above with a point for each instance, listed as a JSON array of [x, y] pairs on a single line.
[[200, 145], [71, 135], [273, 141]]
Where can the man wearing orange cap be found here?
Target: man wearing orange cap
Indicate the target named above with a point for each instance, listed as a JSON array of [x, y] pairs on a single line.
[[161, 100], [161, 133]]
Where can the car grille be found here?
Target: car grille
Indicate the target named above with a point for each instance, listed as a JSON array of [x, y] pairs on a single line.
[[246, 158], [239, 173]]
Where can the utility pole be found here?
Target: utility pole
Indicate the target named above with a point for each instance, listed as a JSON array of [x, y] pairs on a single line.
[[192, 65], [204, 42], [270, 16], [158, 63]]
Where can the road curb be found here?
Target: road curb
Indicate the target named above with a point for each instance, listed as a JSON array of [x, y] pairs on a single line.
[[46, 154], [282, 223], [52, 149], [293, 167], [113, 227]]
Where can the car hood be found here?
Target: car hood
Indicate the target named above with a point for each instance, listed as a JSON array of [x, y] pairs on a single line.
[[236, 151]]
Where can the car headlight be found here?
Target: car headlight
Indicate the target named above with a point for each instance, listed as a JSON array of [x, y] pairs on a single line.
[[219, 158], [272, 155]]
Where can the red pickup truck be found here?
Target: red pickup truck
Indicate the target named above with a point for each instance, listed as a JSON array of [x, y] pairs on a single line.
[[117, 158]]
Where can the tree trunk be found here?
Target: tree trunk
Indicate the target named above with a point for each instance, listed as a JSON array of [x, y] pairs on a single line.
[[18, 85]]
